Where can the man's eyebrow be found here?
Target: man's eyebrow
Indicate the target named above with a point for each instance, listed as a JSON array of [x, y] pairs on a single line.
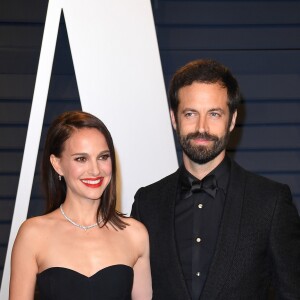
[[217, 109]]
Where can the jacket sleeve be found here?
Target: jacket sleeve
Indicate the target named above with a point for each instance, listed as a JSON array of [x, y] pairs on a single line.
[[285, 247], [135, 207]]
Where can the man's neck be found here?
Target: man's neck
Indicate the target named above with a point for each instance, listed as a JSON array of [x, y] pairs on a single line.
[[201, 170]]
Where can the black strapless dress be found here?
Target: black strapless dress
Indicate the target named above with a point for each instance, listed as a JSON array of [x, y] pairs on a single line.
[[111, 283]]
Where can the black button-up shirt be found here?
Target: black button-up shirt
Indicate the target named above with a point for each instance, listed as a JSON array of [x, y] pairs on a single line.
[[197, 220]]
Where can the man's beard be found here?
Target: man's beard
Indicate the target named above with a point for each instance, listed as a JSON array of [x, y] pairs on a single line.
[[203, 154]]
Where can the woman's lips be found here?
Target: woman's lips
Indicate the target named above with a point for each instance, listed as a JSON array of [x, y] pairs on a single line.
[[92, 182]]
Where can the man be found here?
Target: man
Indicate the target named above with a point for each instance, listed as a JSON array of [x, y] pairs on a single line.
[[216, 230]]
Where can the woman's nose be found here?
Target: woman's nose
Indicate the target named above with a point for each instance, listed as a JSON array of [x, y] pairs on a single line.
[[94, 168]]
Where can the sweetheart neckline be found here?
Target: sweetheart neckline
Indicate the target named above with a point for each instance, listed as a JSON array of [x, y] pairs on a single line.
[[76, 272]]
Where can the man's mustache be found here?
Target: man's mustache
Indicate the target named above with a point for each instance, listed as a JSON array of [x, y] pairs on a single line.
[[201, 135]]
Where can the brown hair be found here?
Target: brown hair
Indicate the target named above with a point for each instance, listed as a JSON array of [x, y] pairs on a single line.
[[59, 131], [206, 71]]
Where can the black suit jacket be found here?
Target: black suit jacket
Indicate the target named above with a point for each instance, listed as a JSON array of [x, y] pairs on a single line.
[[258, 243]]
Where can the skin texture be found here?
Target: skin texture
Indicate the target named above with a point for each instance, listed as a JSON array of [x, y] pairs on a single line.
[[203, 108], [86, 166]]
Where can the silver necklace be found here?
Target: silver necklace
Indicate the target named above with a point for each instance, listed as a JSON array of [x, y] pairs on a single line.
[[85, 228]]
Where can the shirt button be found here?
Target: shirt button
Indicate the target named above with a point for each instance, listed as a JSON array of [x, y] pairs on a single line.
[[200, 205], [198, 240], [198, 274]]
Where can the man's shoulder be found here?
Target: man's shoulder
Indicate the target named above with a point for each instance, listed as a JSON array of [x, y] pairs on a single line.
[[255, 179], [168, 182], [169, 179]]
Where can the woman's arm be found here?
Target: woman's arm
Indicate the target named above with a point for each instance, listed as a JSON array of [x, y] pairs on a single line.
[[142, 284], [23, 263]]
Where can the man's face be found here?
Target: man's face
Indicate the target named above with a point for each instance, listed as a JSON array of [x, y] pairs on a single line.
[[203, 121]]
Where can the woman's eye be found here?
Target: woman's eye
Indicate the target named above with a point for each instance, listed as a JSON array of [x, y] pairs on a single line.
[[80, 159], [104, 157]]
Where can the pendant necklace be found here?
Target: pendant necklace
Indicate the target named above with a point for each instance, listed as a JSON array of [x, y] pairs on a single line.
[[85, 228]]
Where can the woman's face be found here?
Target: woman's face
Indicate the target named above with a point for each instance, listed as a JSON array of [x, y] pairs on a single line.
[[85, 164]]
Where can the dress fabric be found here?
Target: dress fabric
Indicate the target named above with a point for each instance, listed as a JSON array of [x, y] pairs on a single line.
[[111, 283]]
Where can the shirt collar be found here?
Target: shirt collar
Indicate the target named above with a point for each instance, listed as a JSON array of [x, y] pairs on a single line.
[[221, 172]]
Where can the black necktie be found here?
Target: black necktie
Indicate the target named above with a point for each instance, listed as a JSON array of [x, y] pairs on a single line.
[[208, 184]]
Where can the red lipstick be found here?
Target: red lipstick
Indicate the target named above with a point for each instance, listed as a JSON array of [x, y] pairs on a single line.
[[92, 182]]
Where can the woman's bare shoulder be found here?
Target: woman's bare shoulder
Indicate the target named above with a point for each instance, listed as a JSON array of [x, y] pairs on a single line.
[[135, 224], [136, 229], [35, 225]]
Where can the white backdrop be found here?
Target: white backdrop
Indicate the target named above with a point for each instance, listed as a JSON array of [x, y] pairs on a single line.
[[117, 65]]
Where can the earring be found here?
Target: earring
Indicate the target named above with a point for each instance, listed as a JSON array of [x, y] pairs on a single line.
[[59, 177]]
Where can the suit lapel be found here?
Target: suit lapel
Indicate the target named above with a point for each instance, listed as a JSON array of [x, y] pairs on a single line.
[[167, 238], [228, 234]]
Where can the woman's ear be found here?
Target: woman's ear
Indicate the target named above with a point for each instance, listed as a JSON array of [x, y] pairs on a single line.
[[55, 162]]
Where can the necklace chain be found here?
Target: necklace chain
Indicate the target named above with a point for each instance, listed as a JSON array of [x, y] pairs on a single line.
[[85, 228]]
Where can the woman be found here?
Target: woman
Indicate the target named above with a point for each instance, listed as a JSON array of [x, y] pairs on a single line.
[[82, 248]]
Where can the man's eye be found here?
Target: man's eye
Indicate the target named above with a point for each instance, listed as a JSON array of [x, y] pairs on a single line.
[[189, 114], [215, 114]]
